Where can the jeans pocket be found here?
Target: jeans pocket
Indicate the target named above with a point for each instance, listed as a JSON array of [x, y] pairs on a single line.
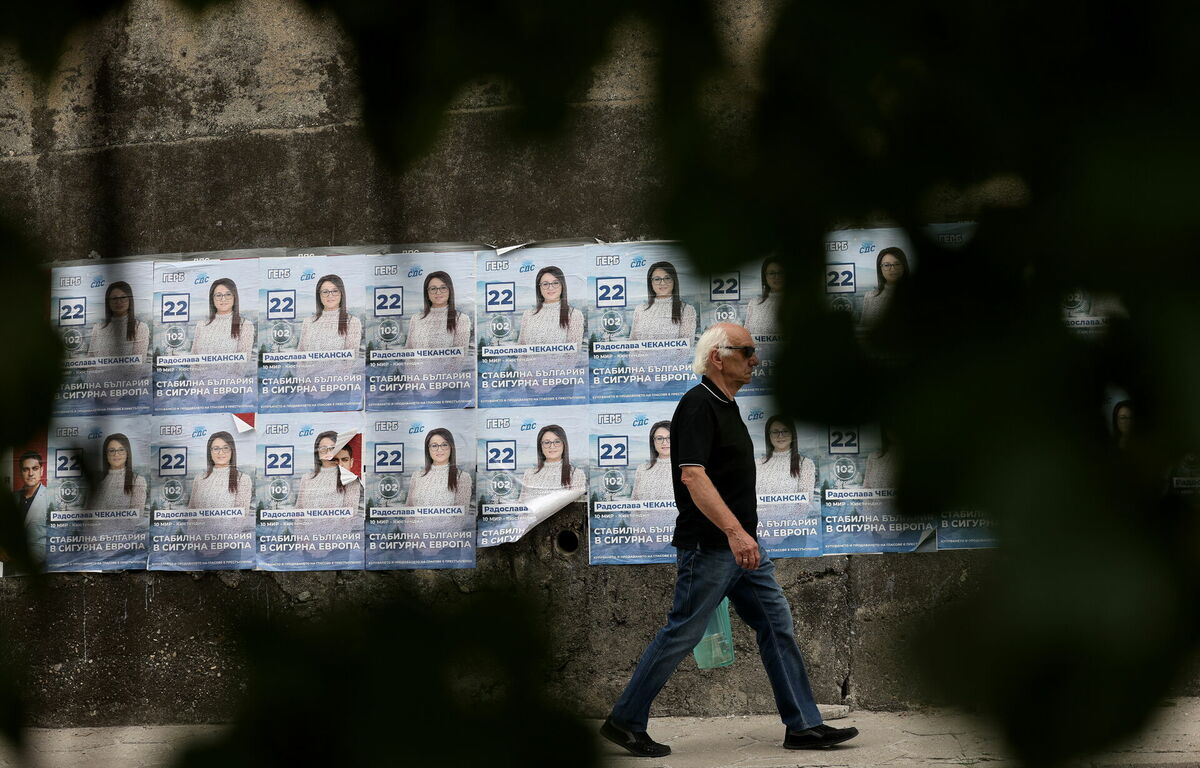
[[683, 557]]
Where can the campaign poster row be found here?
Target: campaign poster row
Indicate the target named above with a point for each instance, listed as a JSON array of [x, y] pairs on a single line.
[[293, 331], [425, 489], [282, 492], [266, 331], [821, 491]]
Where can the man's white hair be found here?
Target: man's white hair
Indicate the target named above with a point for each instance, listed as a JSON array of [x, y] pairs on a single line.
[[714, 338]]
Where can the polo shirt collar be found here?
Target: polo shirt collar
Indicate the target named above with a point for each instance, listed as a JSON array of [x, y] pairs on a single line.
[[714, 390]]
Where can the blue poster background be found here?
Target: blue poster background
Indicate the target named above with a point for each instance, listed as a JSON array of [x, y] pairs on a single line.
[[304, 522], [852, 270], [789, 506], [94, 525], [513, 494], [104, 370], [198, 368], [526, 356], [966, 530], [306, 364], [638, 352], [857, 511], [632, 504], [414, 519], [413, 359], [196, 522]]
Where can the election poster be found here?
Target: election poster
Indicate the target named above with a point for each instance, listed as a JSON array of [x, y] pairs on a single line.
[[858, 514], [419, 472], [26, 470], [205, 320], [787, 459], [103, 312], [532, 463], [751, 297], [642, 320], [420, 329], [966, 529], [862, 269], [311, 310], [632, 510], [309, 492], [1089, 314], [531, 325], [98, 486], [201, 490]]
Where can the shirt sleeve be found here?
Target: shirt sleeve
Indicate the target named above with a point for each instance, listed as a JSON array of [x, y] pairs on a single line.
[[688, 321], [246, 338], [692, 433], [141, 338], [245, 488], [526, 317], [462, 331], [138, 497], [353, 494], [304, 329], [575, 327], [462, 495], [353, 333], [635, 333]]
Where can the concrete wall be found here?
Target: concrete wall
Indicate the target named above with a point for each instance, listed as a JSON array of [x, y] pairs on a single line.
[[165, 132]]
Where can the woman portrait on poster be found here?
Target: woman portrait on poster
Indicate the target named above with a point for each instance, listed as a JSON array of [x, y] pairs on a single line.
[[441, 483], [664, 315], [226, 330], [121, 487], [554, 471], [553, 320], [783, 469], [440, 325], [222, 486], [762, 314], [652, 480], [332, 327], [324, 489], [881, 464], [1122, 424], [121, 333], [891, 268]]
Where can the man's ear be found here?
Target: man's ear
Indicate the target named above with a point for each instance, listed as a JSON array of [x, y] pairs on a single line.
[[714, 359]]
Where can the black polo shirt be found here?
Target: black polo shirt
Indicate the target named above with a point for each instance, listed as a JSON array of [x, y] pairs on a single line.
[[707, 430]]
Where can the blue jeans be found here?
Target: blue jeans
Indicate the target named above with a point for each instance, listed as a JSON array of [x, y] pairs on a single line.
[[704, 578]]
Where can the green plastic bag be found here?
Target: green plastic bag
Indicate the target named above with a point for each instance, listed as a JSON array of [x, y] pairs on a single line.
[[715, 649]]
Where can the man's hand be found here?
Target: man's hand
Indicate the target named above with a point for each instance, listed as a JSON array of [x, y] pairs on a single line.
[[704, 493], [744, 548]]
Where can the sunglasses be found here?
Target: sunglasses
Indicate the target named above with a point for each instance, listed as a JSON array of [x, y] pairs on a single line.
[[747, 351]]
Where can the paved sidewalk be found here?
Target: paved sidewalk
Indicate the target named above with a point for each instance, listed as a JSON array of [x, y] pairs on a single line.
[[900, 739]]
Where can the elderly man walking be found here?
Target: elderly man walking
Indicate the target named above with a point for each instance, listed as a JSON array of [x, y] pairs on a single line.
[[712, 468]]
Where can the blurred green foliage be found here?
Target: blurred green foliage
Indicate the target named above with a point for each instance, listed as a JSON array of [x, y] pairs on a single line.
[[400, 682], [865, 111]]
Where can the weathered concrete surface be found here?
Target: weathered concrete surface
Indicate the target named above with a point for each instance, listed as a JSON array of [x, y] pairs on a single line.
[[322, 186], [155, 72], [163, 132], [891, 593]]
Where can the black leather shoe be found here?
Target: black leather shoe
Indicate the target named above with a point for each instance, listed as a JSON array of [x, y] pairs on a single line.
[[818, 737], [639, 744]]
